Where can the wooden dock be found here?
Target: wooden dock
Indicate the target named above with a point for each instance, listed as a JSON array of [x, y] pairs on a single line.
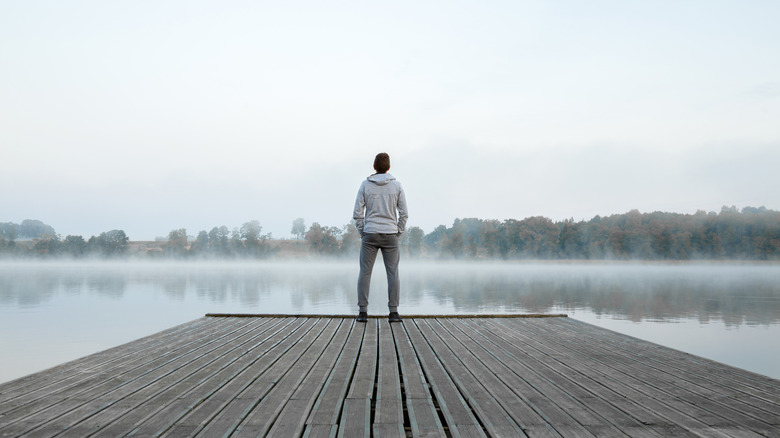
[[328, 376]]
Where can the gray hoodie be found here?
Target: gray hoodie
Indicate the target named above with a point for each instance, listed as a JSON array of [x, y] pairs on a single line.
[[380, 207]]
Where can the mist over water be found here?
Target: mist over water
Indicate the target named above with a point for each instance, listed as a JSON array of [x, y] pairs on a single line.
[[51, 312]]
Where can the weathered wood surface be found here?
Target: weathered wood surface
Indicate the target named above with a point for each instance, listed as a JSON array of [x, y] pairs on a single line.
[[282, 376]]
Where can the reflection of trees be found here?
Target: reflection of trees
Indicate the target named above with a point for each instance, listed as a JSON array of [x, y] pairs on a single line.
[[107, 284], [735, 295], [34, 284], [15, 289], [748, 294]]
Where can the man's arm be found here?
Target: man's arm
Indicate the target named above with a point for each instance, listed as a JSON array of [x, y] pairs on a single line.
[[358, 213], [403, 213]]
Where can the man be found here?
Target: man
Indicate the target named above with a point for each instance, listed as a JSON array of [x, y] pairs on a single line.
[[380, 217]]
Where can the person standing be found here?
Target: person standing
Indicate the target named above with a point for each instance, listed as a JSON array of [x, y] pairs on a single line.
[[380, 217]]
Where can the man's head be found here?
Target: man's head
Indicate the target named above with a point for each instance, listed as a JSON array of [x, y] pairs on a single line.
[[382, 163]]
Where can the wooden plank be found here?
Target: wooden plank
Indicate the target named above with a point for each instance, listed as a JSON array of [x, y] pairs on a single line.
[[47, 384], [355, 418], [156, 413], [292, 419], [624, 414], [389, 405], [212, 392], [356, 413], [428, 377], [477, 388], [327, 408], [421, 410], [691, 373], [321, 431], [388, 430], [756, 385], [39, 380], [226, 421], [362, 386], [93, 406], [99, 392], [423, 418], [513, 392], [574, 400], [658, 382], [651, 412], [456, 412], [160, 395], [686, 394], [210, 398], [263, 416], [608, 395], [415, 383]]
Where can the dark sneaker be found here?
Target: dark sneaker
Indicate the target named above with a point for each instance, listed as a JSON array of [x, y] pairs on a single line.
[[362, 317], [394, 317]]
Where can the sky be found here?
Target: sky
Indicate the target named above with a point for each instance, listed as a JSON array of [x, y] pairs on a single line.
[[150, 116]]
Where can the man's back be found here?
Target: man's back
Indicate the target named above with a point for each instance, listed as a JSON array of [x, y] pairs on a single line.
[[380, 207]]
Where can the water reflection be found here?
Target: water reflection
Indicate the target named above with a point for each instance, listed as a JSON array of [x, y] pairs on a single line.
[[734, 294]]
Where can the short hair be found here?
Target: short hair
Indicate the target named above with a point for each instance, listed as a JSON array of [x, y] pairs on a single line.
[[382, 162]]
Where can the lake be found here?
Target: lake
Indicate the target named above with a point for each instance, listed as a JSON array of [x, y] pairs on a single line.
[[52, 312]]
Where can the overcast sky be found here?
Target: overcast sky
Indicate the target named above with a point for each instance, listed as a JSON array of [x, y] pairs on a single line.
[[149, 116]]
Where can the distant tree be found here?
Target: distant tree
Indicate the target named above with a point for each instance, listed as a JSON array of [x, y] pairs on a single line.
[[457, 237], [533, 237], [489, 235], [109, 243], [74, 246], [350, 241], [47, 245], [571, 244], [219, 242], [9, 231], [201, 243], [298, 228], [454, 243], [177, 244], [415, 239], [34, 229], [323, 240], [253, 242], [7, 246], [435, 240], [250, 231], [471, 246], [597, 232], [236, 245]]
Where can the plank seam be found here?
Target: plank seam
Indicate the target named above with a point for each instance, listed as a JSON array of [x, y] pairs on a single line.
[[404, 405]]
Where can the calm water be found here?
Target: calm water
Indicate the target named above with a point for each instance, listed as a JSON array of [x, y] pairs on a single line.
[[51, 312]]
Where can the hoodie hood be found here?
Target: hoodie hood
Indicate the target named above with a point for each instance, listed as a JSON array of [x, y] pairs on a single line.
[[381, 178]]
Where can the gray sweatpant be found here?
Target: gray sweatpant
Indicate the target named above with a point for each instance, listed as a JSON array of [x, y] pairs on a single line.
[[370, 244]]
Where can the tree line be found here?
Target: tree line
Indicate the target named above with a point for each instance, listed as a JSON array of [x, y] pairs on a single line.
[[747, 234], [750, 234], [107, 244]]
